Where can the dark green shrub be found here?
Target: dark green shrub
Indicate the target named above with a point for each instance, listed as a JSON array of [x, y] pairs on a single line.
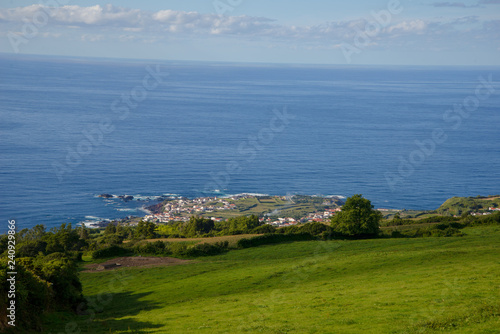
[[264, 229], [178, 248], [110, 252], [34, 297], [152, 248], [205, 249], [316, 229], [31, 248], [397, 234], [293, 229], [267, 239]]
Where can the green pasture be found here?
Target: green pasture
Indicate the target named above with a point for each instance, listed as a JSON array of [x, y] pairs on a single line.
[[421, 285]]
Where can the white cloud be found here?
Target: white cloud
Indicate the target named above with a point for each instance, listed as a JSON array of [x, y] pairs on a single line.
[[96, 23], [193, 22], [92, 38], [75, 16], [453, 4], [135, 19], [415, 26], [133, 29], [51, 35]]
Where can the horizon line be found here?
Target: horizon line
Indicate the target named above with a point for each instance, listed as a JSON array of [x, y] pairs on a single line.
[[235, 62]]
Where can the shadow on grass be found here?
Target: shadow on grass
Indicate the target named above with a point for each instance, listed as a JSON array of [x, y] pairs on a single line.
[[106, 313]]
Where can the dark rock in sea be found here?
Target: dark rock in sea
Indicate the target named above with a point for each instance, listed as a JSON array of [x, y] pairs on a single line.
[[156, 209], [105, 196], [128, 198]]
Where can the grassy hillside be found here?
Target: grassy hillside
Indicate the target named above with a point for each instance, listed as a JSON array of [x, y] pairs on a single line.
[[364, 286], [459, 205]]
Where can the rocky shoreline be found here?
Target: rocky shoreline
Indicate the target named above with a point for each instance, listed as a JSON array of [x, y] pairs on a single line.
[[125, 198]]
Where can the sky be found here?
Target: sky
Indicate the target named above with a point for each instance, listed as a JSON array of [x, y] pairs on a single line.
[[368, 32]]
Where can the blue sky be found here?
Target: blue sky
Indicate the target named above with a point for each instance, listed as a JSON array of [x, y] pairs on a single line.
[[399, 32]]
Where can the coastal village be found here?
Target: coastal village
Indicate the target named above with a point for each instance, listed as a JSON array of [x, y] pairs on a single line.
[[182, 209], [278, 211], [216, 208]]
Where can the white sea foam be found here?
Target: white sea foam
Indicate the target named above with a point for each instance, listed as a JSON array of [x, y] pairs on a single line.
[[145, 198], [335, 196], [138, 197], [246, 194], [146, 211], [93, 221]]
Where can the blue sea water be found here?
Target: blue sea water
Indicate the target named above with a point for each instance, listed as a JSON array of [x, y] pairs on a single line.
[[73, 128]]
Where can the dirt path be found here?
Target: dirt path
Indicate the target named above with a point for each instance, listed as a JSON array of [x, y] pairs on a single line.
[[126, 262]]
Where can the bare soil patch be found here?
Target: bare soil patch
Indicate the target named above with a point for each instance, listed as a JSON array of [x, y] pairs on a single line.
[[127, 262]]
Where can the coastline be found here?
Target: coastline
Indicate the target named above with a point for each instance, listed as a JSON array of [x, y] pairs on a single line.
[[277, 210]]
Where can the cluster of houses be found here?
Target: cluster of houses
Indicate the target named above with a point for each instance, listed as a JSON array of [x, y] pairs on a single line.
[[312, 217], [179, 210], [321, 216], [280, 222], [490, 209]]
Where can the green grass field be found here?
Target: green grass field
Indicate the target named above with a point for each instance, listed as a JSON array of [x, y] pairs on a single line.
[[366, 286]]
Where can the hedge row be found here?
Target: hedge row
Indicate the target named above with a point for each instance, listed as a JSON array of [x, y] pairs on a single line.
[[268, 239], [161, 248], [110, 252], [180, 249]]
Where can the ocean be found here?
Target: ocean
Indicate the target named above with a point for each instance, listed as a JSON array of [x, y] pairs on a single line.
[[74, 128]]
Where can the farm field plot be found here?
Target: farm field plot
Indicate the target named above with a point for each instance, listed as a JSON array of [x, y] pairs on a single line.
[[421, 285]]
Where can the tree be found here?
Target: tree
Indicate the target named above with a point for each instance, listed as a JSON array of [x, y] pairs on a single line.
[[198, 225], [83, 232], [4, 243], [35, 233], [239, 225], [357, 218], [145, 230], [397, 220], [113, 235], [110, 229], [63, 239]]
